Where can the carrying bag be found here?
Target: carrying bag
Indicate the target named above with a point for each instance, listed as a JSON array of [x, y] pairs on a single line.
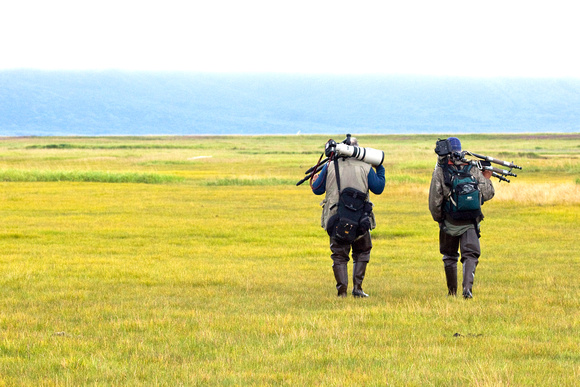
[[353, 215], [351, 207], [464, 201]]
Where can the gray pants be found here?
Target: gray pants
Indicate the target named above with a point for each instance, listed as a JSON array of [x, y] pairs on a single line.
[[470, 252], [361, 250]]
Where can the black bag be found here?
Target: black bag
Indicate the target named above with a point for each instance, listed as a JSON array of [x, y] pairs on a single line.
[[353, 216], [351, 207]]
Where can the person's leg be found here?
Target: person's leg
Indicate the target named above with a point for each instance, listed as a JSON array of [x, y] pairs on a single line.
[[470, 252], [339, 255], [361, 254], [448, 246]]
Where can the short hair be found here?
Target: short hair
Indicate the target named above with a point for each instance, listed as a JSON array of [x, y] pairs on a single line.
[[353, 141]]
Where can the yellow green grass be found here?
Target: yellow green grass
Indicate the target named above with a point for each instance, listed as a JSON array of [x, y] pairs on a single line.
[[218, 273]]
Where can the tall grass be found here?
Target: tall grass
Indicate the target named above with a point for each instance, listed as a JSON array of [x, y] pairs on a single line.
[[12, 175], [539, 193], [269, 181], [520, 155], [119, 146]]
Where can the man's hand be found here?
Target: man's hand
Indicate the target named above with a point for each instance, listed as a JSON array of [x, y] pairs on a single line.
[[486, 174]]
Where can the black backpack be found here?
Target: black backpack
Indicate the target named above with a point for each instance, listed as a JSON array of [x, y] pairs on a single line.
[[353, 216]]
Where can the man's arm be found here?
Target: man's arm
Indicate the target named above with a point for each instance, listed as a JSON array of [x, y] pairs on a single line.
[[377, 180], [319, 185], [485, 185], [436, 195]]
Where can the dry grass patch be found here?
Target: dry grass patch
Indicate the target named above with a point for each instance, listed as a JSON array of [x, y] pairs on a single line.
[[538, 193]]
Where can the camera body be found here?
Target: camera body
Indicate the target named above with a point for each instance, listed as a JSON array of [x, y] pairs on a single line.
[[329, 148], [443, 147]]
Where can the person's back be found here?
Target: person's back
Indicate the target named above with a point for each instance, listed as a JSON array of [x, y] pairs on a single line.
[[353, 173]]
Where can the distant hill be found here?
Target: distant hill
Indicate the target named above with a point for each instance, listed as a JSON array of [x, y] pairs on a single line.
[[139, 103]]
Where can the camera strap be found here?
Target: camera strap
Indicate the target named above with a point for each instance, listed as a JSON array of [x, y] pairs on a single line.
[[337, 174]]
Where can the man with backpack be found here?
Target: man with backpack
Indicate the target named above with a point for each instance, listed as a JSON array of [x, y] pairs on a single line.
[[458, 189], [347, 215]]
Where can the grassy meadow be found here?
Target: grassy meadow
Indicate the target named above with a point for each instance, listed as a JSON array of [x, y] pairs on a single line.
[[197, 261]]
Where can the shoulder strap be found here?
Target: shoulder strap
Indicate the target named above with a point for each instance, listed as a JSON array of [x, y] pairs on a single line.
[[467, 168], [447, 175], [337, 174]]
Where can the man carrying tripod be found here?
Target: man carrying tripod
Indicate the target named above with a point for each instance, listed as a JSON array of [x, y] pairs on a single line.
[[347, 213], [458, 189]]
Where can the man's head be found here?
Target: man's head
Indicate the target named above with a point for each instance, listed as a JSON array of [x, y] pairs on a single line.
[[353, 141], [455, 144]]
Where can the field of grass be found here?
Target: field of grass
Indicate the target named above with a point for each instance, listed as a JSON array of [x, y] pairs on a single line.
[[197, 261]]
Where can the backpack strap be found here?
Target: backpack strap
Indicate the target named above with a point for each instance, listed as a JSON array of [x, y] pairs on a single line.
[[447, 175], [466, 169]]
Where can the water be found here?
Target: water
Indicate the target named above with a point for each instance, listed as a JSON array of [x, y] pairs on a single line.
[[36, 103]]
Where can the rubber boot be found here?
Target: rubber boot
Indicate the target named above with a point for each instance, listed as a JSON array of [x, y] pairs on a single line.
[[467, 294], [451, 276], [358, 275], [341, 276]]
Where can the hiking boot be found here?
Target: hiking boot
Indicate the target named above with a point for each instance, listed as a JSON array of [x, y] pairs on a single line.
[[358, 293]]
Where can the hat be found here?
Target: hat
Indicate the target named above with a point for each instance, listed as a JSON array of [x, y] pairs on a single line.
[[455, 144]]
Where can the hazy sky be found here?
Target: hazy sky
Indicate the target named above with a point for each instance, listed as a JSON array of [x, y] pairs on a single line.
[[474, 38]]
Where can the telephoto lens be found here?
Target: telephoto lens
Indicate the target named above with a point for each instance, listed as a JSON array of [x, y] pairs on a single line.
[[371, 156]]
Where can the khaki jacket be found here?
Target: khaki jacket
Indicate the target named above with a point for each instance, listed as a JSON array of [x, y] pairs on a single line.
[[439, 192]]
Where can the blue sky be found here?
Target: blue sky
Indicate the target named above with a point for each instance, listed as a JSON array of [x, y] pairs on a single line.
[[465, 38]]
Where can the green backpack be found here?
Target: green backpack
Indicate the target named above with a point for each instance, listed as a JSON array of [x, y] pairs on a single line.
[[464, 201]]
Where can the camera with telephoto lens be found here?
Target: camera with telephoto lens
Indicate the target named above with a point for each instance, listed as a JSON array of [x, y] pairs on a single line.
[[371, 156], [332, 150]]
